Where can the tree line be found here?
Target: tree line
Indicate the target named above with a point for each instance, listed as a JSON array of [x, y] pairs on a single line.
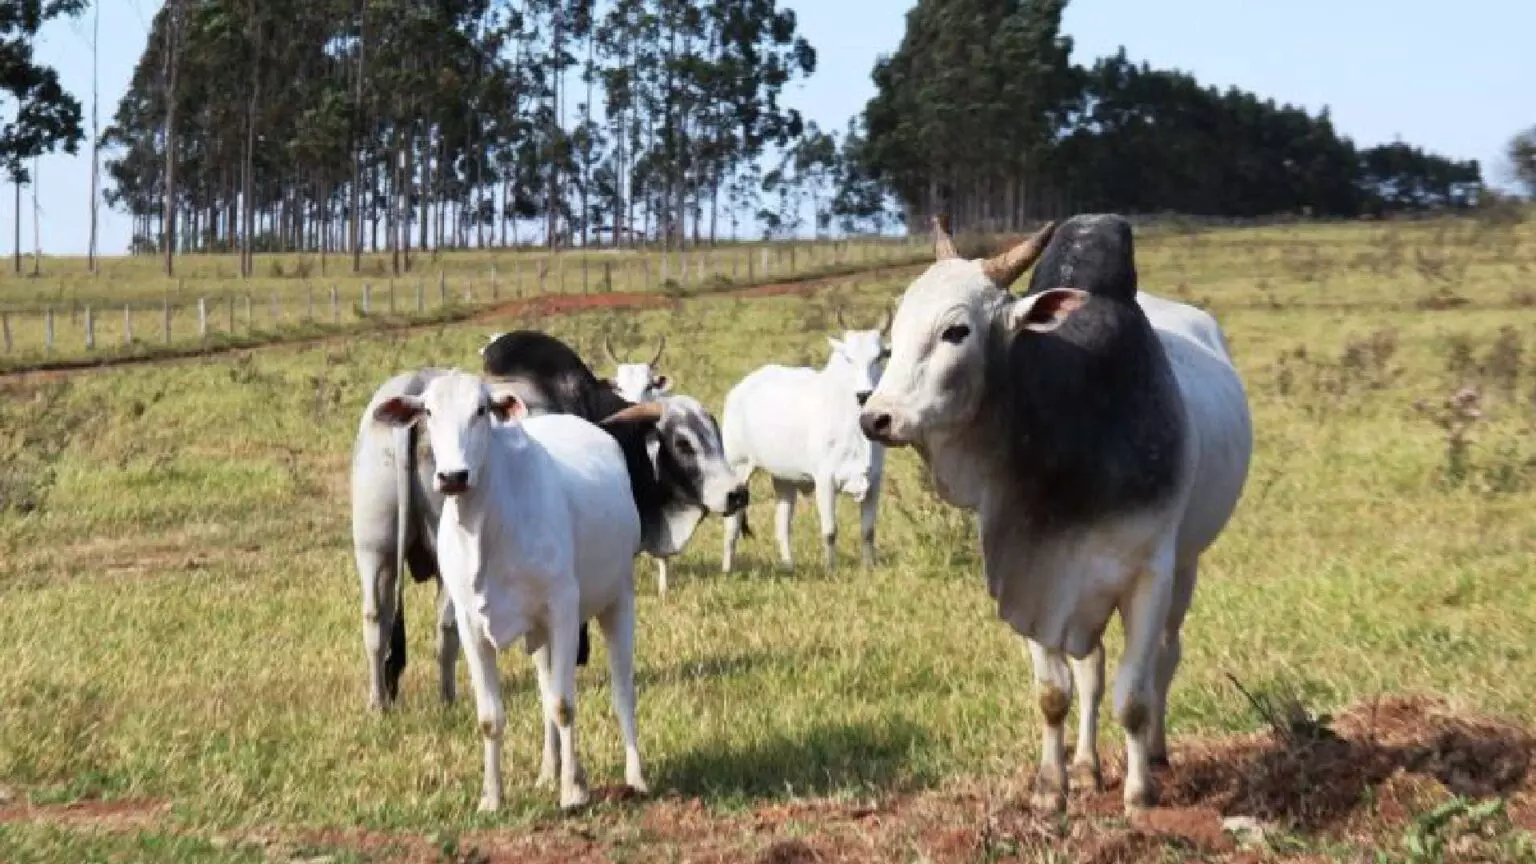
[[980, 115], [396, 125]]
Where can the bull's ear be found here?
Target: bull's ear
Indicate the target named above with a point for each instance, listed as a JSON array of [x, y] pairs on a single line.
[[506, 406], [399, 410], [661, 384], [1044, 312]]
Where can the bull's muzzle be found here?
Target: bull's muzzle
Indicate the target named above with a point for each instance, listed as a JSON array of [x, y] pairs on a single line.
[[876, 425], [453, 482]]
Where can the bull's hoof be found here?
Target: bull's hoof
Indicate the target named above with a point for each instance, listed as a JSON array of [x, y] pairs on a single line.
[[1140, 799], [1050, 794], [574, 798], [1159, 760], [1086, 775]]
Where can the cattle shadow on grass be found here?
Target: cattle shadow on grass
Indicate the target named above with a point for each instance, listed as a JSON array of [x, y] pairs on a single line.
[[827, 758]]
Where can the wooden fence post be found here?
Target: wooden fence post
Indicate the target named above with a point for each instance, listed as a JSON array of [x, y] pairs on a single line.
[[495, 286], [585, 287], [250, 321], [202, 318], [48, 329], [231, 311], [5, 324], [765, 262], [309, 303], [607, 277], [391, 296], [645, 266], [127, 324], [442, 288], [666, 265], [276, 310], [469, 292], [367, 297], [165, 331], [335, 305], [90, 330]]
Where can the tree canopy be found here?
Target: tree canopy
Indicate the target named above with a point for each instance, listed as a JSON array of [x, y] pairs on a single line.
[[45, 116]]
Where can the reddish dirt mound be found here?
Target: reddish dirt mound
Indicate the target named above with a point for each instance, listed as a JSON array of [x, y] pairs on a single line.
[[1351, 790]]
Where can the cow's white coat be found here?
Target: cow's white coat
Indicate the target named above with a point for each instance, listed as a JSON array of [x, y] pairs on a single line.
[[541, 536], [801, 427]]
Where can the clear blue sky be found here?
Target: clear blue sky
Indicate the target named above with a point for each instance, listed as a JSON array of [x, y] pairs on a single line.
[[1457, 78]]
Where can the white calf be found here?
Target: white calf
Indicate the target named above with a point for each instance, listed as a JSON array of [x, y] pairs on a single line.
[[801, 426], [538, 533]]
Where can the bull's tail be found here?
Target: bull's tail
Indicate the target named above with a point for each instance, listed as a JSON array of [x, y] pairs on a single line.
[[746, 527], [405, 467]]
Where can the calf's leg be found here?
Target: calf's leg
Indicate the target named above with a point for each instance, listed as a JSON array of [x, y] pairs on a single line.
[[1088, 675], [783, 511], [618, 623], [826, 508], [558, 687], [480, 656], [447, 644]]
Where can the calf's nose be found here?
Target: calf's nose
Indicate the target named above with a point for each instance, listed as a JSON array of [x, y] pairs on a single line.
[[453, 482], [875, 425], [863, 396], [736, 500]]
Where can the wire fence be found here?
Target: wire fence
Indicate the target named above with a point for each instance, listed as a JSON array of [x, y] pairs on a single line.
[[224, 311]]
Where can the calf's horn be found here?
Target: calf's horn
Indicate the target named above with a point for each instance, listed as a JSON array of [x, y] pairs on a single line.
[[1006, 268], [661, 345], [943, 244], [647, 412], [608, 347]]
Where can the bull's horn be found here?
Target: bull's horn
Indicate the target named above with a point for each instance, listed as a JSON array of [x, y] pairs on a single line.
[[840, 322], [608, 347], [943, 244], [661, 345], [1006, 268], [642, 412]]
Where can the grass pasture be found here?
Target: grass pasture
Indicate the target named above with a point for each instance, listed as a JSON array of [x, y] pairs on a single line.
[[184, 680]]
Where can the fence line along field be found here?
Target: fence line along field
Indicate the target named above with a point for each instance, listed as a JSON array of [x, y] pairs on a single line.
[[129, 308], [185, 679]]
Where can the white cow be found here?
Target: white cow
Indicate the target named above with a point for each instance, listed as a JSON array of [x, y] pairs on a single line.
[[801, 426], [1103, 438], [538, 533]]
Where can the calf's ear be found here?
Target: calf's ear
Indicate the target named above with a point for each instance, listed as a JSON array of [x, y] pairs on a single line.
[[399, 410], [506, 406], [1044, 312]]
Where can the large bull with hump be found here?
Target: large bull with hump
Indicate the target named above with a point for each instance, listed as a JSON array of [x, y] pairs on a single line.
[[1101, 435], [671, 448]]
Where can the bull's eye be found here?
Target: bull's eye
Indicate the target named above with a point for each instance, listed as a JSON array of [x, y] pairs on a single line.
[[955, 333], [480, 412], [683, 446], [885, 354]]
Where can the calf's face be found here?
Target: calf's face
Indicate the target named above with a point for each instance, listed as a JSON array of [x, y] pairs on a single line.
[[862, 352], [457, 410]]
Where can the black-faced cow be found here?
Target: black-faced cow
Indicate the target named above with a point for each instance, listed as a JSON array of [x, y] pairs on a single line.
[[1103, 438]]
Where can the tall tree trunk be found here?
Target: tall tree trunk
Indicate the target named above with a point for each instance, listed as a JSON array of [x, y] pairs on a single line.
[[172, 73], [16, 180], [91, 248], [358, 127]]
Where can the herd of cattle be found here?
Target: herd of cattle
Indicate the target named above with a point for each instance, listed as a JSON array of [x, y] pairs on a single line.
[[1100, 435]]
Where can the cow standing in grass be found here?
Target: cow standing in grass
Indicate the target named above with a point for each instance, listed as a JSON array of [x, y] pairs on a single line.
[[639, 383], [538, 533], [1102, 436], [801, 426]]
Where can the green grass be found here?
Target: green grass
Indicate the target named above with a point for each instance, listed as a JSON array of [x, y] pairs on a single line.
[[179, 611]]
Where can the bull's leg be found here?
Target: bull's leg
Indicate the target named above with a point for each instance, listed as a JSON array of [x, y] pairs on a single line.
[[1184, 577], [661, 576], [618, 623], [783, 511], [1088, 675], [826, 508], [447, 644], [1053, 690], [868, 512], [480, 656], [1145, 614], [560, 700], [732, 536], [377, 572], [549, 764]]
